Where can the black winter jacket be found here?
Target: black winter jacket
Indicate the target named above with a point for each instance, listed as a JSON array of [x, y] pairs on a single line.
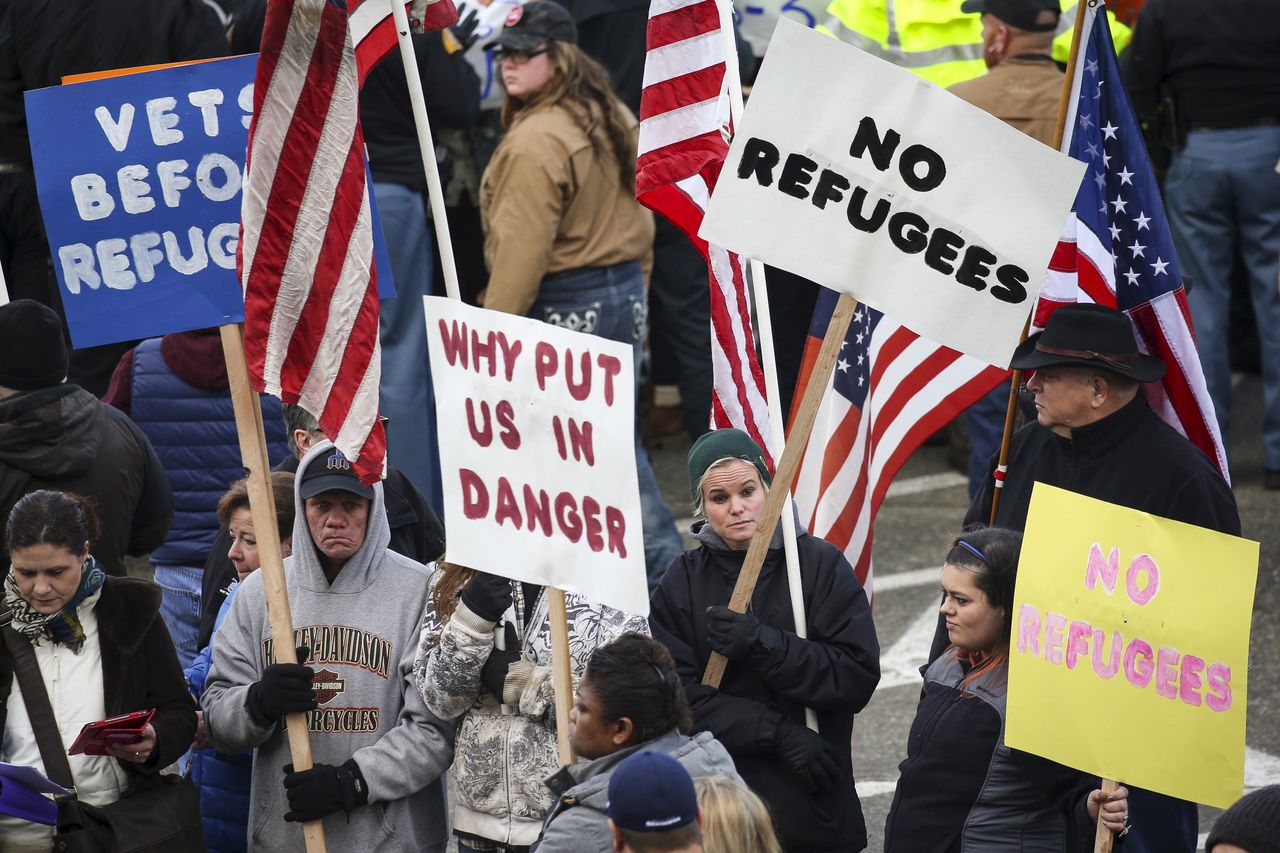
[[834, 671], [139, 669], [63, 438], [961, 790], [416, 532]]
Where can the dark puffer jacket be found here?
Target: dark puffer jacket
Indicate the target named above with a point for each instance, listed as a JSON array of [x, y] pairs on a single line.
[[834, 672], [961, 790], [64, 438]]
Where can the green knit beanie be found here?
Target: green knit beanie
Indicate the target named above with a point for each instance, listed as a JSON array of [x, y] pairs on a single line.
[[724, 444]]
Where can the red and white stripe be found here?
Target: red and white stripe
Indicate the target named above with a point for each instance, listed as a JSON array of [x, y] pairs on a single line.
[[917, 388], [311, 299], [683, 114], [373, 28]]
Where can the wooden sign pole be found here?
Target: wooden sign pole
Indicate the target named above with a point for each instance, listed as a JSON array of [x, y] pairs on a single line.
[[561, 670], [786, 471], [262, 507], [1104, 837]]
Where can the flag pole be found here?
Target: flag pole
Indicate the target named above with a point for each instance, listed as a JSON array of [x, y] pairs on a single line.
[[427, 147], [1059, 130], [262, 508], [801, 427], [773, 399]]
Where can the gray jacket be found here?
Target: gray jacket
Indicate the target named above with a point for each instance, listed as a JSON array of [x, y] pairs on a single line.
[[362, 631], [578, 822]]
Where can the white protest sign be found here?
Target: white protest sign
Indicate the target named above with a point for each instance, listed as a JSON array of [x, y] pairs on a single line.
[[537, 453], [869, 180]]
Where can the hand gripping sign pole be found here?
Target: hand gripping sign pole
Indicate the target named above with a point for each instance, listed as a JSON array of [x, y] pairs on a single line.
[[760, 295], [786, 472], [262, 507], [562, 676]]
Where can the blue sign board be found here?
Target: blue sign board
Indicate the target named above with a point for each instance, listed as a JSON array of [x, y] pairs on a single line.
[[139, 179]]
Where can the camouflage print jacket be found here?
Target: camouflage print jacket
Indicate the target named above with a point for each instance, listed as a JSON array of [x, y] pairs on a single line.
[[504, 752]]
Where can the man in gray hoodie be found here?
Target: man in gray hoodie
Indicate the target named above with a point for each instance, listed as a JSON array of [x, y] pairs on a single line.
[[356, 605]]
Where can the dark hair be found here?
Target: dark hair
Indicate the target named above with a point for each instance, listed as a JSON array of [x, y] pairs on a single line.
[[298, 418], [635, 677], [991, 553], [237, 498], [663, 840], [46, 517]]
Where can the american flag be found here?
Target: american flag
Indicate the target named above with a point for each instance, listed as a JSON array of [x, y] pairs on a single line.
[[373, 28], [683, 116], [891, 389], [306, 238], [1116, 248]]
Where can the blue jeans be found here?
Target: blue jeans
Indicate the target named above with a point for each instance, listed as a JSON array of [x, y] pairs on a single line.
[[985, 420], [406, 396], [610, 302], [1223, 191], [180, 607]]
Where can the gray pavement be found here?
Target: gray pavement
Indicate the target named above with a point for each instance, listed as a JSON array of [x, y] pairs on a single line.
[[912, 531]]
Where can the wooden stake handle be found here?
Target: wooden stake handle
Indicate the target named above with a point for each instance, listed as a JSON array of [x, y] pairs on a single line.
[[561, 670], [1104, 837], [262, 507], [786, 471]]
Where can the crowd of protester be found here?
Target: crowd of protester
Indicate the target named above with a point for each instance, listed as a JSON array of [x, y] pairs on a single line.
[[416, 674]]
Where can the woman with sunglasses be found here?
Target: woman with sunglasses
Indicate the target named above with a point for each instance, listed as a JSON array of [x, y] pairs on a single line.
[[961, 789], [564, 237]]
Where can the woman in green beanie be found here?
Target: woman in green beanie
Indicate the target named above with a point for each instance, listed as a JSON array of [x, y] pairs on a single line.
[[805, 777]]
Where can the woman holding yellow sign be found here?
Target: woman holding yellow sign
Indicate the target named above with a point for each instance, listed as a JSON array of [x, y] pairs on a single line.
[[961, 789]]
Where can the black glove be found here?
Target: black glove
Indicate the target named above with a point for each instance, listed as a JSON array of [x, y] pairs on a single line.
[[488, 596], [323, 790], [731, 634], [808, 755], [285, 688], [465, 30], [493, 675]]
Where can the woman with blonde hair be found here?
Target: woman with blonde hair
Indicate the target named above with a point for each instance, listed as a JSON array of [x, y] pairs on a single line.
[[734, 819], [565, 240]]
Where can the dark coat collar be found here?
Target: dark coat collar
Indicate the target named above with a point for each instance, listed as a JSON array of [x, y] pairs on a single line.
[[1101, 437], [126, 610]]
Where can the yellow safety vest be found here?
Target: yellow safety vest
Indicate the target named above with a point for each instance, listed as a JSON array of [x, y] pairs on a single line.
[[933, 38], [1120, 34]]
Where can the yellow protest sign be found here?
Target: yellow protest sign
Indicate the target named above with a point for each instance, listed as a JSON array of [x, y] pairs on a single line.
[[1129, 654]]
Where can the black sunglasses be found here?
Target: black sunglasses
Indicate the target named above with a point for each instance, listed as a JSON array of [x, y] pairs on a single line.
[[519, 57]]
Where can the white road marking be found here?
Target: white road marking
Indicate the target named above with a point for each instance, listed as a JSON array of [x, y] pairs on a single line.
[[901, 664], [926, 483], [928, 576], [874, 789]]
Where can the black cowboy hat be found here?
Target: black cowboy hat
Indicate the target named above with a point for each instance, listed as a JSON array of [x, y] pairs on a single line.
[[1088, 335]]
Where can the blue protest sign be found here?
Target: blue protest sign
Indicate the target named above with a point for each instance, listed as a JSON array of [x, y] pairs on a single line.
[[139, 179]]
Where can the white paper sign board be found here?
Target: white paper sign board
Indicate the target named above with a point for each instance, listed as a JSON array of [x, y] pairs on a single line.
[[869, 180], [537, 452]]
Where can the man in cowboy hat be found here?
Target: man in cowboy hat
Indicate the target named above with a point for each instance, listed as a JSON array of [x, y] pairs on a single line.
[[1095, 435]]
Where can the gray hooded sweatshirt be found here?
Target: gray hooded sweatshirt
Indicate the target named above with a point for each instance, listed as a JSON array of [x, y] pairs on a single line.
[[362, 631], [578, 821]]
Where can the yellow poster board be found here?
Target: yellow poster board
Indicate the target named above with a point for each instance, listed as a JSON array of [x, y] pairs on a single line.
[[1129, 654]]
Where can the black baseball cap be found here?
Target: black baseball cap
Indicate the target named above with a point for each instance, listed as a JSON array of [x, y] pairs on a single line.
[[651, 792], [1022, 14], [329, 472], [530, 26]]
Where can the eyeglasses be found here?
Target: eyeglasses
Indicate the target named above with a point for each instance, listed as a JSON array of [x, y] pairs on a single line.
[[517, 57]]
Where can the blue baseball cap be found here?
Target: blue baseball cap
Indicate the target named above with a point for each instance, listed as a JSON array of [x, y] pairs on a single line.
[[651, 792], [329, 472]]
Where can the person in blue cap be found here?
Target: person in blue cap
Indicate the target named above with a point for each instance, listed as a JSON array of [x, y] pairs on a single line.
[[653, 806]]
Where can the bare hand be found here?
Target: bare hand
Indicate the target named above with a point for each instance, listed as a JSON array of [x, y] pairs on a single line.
[[1114, 808], [201, 740], [138, 752]]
